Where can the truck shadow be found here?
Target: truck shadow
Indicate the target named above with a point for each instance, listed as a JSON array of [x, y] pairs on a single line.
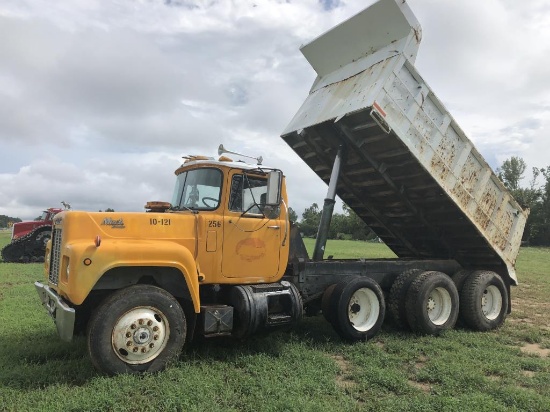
[[41, 360], [312, 332]]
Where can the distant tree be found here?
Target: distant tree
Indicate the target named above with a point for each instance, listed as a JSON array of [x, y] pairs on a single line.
[[310, 221], [536, 197], [292, 215], [342, 226], [539, 219], [109, 210], [356, 227], [6, 221], [511, 172]]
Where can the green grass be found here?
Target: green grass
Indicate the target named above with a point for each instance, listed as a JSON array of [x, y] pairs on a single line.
[[308, 369], [349, 249]]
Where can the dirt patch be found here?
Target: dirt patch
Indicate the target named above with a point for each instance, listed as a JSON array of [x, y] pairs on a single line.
[[381, 345], [530, 303], [5, 286], [424, 387], [421, 362], [535, 348], [529, 374], [494, 378], [344, 379], [530, 312], [521, 320]]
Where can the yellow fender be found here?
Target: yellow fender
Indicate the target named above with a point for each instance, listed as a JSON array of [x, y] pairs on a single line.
[[112, 254]]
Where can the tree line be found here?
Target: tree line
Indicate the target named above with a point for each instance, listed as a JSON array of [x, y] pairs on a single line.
[[6, 220], [535, 196], [345, 225]]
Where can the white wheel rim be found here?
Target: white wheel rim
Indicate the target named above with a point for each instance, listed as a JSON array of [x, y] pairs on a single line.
[[140, 335], [363, 309], [439, 306], [491, 302]]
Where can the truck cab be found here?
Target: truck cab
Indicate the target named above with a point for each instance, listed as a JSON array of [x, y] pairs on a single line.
[[209, 262], [242, 238], [21, 229]]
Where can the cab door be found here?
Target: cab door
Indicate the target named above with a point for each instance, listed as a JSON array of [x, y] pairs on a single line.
[[251, 240]]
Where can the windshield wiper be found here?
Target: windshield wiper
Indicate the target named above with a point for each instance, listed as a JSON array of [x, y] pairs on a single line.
[[181, 208]]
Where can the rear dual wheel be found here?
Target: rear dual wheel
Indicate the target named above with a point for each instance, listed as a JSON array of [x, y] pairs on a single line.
[[432, 303], [484, 301], [398, 296], [356, 308]]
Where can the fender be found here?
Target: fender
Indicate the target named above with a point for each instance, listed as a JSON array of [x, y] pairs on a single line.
[[77, 279]]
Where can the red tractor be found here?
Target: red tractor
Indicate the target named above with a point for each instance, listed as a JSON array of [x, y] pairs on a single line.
[[28, 239]]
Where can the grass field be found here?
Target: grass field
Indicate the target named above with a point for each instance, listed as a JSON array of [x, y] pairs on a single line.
[[308, 369]]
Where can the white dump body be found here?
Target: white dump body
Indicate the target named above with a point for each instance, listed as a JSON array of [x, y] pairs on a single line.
[[409, 172]]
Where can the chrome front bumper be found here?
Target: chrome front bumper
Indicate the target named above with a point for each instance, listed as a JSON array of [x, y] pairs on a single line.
[[62, 314]]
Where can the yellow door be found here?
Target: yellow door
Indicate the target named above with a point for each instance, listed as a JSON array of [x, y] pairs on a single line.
[[251, 240]]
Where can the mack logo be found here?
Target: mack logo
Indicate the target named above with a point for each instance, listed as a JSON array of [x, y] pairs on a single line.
[[57, 221], [115, 224]]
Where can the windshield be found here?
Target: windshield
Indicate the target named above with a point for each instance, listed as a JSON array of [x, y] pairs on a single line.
[[198, 189], [42, 217]]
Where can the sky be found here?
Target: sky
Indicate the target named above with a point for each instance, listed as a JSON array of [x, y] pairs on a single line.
[[99, 100]]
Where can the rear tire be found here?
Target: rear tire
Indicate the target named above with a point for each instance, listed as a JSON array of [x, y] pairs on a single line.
[[398, 295], [432, 303], [484, 300], [459, 278], [358, 309], [137, 329]]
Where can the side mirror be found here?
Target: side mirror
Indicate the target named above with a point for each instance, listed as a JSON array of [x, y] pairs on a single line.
[[274, 183]]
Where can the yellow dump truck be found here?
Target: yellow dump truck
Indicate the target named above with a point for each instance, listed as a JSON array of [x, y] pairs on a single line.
[[222, 259]]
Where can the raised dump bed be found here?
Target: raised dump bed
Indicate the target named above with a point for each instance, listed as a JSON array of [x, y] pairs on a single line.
[[409, 172]]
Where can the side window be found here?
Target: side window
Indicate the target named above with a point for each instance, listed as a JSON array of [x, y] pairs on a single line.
[[198, 189], [248, 194]]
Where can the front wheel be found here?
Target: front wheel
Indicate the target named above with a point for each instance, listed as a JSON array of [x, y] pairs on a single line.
[[137, 329], [358, 309]]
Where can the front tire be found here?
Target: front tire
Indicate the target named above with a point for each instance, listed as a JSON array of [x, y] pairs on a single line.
[[432, 303], [137, 329], [358, 309], [484, 300]]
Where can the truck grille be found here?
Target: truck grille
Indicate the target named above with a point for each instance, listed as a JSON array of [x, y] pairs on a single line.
[[55, 259]]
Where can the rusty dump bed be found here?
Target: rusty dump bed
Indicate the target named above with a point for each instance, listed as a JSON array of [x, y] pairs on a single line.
[[409, 171]]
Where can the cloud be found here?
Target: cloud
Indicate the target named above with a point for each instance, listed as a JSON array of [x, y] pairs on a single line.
[[99, 100], [122, 182]]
